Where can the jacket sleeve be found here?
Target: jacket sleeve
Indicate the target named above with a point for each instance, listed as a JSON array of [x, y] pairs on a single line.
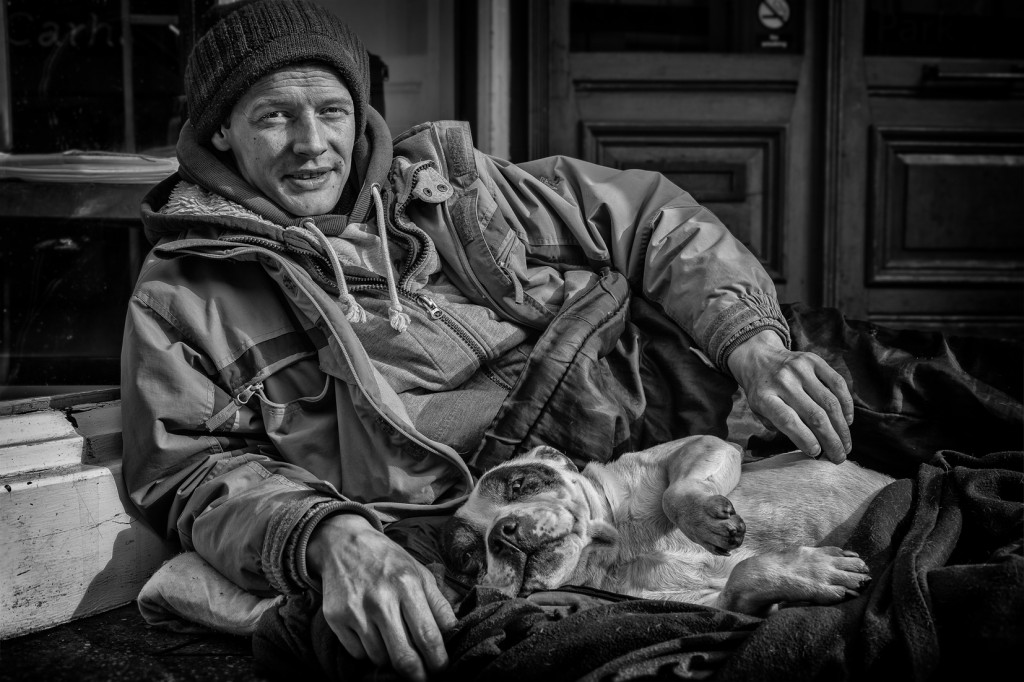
[[229, 498], [675, 251]]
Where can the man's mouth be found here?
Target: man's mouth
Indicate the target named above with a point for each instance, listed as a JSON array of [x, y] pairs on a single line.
[[309, 179]]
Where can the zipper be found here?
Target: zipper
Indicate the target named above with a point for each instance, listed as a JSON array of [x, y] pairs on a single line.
[[246, 393], [317, 262], [361, 283], [413, 435], [435, 312]]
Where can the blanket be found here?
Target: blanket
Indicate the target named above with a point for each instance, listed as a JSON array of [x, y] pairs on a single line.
[[946, 603]]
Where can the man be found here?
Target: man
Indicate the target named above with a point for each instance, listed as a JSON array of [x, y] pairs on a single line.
[[329, 327]]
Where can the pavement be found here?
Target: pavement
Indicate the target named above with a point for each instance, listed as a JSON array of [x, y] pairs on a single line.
[[119, 646]]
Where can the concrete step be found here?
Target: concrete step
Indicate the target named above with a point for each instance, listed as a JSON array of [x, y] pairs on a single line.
[[68, 548], [38, 441]]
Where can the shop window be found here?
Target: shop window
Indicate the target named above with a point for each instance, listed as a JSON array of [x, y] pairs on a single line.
[[91, 102]]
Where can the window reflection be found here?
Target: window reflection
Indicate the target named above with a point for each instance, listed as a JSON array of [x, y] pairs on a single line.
[[93, 74]]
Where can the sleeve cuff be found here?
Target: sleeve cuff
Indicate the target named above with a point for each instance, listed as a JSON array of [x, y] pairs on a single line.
[[284, 556], [749, 316]]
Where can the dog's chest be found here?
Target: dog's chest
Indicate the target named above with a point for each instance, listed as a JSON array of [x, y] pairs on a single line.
[[656, 560]]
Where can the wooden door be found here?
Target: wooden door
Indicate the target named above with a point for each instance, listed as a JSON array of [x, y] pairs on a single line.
[[717, 95], [925, 173]]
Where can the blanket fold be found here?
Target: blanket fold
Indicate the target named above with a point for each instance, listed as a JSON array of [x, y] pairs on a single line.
[[946, 603]]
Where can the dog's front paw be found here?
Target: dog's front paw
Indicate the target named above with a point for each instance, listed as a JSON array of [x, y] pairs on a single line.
[[712, 523]]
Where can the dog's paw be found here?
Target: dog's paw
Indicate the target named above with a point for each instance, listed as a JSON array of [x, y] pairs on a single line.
[[802, 575], [713, 524], [825, 575]]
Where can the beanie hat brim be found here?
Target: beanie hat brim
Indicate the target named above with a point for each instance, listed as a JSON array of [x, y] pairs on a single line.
[[260, 38]]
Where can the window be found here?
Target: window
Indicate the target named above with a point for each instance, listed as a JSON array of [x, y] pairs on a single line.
[[103, 78]]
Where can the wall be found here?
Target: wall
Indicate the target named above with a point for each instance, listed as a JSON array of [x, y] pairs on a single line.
[[416, 40]]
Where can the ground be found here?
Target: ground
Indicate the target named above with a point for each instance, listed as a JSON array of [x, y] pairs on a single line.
[[119, 646]]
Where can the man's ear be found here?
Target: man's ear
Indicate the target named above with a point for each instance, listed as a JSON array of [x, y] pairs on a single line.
[[220, 138]]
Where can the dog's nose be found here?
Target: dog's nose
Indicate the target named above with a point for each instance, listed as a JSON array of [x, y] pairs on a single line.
[[512, 532], [508, 527]]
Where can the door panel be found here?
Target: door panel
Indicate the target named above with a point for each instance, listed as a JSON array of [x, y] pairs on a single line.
[[723, 108], [734, 170], [925, 165]]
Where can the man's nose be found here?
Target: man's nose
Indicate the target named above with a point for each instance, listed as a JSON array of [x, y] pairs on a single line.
[[309, 138]]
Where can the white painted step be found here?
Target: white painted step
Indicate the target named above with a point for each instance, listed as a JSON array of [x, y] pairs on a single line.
[[68, 549], [38, 441]]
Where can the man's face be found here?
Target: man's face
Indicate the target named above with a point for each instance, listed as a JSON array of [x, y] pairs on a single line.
[[291, 135]]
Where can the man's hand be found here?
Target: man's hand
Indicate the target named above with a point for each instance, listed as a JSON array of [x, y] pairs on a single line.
[[796, 392], [378, 600]]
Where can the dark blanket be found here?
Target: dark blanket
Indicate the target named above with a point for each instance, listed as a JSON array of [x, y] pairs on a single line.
[[946, 602]]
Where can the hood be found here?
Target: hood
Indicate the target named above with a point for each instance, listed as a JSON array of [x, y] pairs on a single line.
[[200, 165]]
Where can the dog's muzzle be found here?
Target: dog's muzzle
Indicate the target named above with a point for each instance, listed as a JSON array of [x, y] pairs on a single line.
[[527, 547]]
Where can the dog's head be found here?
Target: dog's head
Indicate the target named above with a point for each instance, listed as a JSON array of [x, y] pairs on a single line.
[[526, 526]]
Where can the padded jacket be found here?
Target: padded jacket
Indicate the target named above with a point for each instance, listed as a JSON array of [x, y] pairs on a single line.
[[255, 403]]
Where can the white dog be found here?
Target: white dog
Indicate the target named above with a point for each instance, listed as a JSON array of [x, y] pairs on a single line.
[[643, 525]]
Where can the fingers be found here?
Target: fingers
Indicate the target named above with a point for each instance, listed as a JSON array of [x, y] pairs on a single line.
[[382, 604], [786, 418], [424, 629], [838, 388], [410, 630], [403, 656], [351, 642], [444, 616], [810, 403]]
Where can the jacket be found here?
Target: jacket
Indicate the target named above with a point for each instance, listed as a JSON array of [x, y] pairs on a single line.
[[272, 376]]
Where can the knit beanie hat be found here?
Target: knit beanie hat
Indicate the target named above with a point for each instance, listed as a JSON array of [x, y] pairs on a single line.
[[260, 37]]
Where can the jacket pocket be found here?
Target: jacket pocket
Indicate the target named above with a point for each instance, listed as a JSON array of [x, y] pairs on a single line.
[[296, 406]]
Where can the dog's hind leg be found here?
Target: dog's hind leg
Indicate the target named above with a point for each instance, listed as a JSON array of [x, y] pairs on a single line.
[[820, 575]]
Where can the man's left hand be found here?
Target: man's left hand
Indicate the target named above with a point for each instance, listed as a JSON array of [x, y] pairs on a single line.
[[797, 392]]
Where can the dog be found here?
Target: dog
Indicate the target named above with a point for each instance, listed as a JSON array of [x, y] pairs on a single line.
[[655, 524]]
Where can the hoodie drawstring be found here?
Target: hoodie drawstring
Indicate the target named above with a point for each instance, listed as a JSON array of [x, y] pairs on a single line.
[[353, 311], [399, 319]]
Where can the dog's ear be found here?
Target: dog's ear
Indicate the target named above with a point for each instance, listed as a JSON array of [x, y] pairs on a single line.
[[547, 453]]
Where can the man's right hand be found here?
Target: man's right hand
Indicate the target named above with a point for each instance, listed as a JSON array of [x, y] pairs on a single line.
[[379, 601]]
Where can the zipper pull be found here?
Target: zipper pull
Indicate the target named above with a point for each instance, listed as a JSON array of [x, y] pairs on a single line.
[[432, 308], [246, 393]]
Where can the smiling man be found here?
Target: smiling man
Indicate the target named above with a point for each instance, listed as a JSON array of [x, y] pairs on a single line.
[[333, 327], [291, 135]]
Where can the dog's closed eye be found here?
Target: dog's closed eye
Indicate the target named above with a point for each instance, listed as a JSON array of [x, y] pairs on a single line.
[[515, 482], [462, 548], [515, 487], [467, 564]]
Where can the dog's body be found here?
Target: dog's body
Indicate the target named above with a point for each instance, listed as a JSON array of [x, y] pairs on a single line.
[[655, 524]]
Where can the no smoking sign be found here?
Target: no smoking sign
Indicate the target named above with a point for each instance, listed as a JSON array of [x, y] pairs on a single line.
[[773, 13]]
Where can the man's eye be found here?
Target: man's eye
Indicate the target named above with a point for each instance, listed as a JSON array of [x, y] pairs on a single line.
[[336, 112], [273, 115]]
